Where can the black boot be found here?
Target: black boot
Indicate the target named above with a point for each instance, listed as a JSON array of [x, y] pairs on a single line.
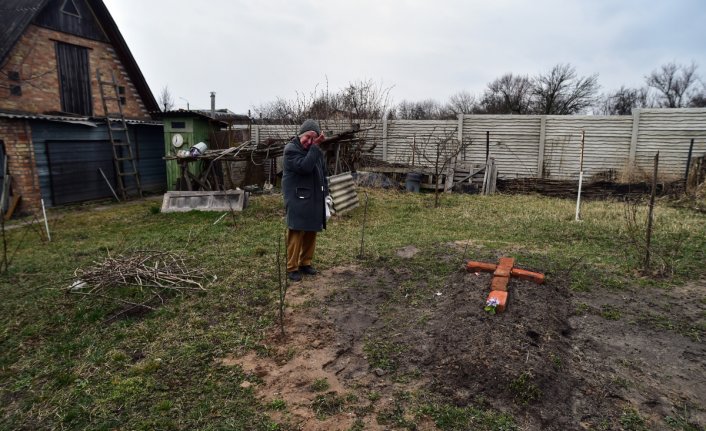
[[294, 276], [308, 270]]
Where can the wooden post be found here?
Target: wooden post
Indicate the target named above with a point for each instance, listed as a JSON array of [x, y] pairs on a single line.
[[487, 145], [542, 138], [46, 222], [633, 138], [362, 230], [2, 210], [460, 135], [384, 138], [108, 183], [649, 215], [414, 147], [688, 162]]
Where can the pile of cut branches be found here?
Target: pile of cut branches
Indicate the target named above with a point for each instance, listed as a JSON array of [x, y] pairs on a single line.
[[138, 278]]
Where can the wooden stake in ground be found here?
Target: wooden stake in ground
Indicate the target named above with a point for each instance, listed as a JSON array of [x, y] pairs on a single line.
[[649, 214], [282, 285], [688, 165], [46, 222], [4, 248], [362, 232], [3, 197], [115, 195], [578, 198]]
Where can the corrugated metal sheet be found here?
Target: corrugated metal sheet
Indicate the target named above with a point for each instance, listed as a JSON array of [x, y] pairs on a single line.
[[84, 121], [14, 19], [415, 142], [669, 132], [73, 170], [515, 141], [68, 157], [606, 145], [342, 190]]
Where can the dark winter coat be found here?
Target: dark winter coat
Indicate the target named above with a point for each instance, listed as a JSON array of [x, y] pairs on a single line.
[[304, 187]]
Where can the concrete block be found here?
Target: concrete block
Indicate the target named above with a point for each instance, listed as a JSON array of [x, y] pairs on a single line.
[[235, 200]]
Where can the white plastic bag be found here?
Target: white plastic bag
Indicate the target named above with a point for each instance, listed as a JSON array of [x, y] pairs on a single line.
[[329, 206]]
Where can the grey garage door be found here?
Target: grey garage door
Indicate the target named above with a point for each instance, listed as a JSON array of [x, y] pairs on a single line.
[[73, 170]]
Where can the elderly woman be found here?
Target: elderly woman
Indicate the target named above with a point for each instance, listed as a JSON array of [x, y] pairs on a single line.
[[305, 188]]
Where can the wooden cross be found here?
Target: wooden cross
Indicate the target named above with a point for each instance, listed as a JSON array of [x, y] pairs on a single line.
[[501, 277]]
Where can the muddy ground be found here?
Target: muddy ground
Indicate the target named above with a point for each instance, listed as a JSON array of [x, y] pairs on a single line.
[[367, 345]]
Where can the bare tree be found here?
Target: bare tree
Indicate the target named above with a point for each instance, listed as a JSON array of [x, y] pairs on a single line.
[[561, 92], [698, 100], [439, 152], [462, 102], [623, 101], [359, 100], [428, 109], [364, 99], [165, 99], [675, 84], [509, 94]]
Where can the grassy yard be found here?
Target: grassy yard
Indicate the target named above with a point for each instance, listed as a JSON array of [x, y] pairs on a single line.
[[61, 367]]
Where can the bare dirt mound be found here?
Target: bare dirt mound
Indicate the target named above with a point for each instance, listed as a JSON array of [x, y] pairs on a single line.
[[366, 348], [517, 360]]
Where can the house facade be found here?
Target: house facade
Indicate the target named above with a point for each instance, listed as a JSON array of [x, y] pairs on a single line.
[[52, 115]]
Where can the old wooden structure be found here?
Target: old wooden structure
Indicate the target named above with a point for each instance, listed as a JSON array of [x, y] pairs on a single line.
[[52, 122]]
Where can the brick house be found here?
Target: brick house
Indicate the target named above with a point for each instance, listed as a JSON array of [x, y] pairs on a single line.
[[52, 125]]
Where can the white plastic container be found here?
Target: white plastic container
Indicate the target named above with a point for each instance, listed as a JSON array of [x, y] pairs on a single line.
[[198, 149]]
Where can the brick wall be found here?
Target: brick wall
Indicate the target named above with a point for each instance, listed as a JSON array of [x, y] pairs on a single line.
[[34, 57], [17, 137]]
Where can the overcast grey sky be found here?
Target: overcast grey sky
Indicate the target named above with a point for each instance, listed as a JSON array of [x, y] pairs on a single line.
[[251, 52]]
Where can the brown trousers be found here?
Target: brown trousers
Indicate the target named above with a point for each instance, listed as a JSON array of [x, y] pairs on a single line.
[[300, 248]]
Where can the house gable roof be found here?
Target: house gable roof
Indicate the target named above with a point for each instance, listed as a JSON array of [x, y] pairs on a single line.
[[17, 15]]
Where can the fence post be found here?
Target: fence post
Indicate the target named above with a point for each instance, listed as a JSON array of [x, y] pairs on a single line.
[[384, 137], [650, 214], [688, 163], [542, 139], [460, 134], [633, 138]]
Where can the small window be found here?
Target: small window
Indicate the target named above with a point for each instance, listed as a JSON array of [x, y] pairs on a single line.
[[13, 75], [178, 124], [16, 90], [121, 92], [70, 8]]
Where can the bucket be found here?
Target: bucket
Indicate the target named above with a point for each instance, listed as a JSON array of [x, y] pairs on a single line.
[[412, 182], [198, 149]]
